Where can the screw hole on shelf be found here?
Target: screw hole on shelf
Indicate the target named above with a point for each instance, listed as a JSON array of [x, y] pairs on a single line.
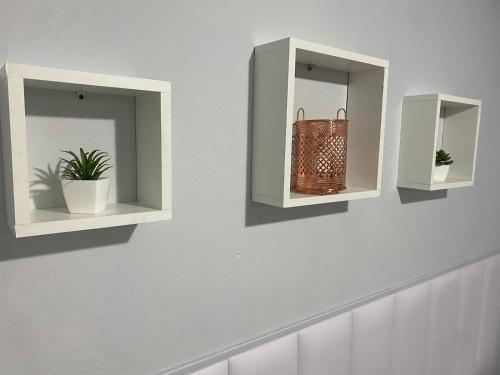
[[81, 95]]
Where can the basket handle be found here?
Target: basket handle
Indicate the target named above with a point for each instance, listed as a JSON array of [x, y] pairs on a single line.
[[345, 113], [303, 114]]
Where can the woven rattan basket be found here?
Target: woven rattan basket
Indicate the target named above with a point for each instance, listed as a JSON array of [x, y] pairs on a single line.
[[319, 155]]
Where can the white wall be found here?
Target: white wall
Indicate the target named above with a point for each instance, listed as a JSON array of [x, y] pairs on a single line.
[[141, 300]]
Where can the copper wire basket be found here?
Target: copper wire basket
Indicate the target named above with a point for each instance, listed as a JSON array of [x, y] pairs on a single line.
[[319, 155]]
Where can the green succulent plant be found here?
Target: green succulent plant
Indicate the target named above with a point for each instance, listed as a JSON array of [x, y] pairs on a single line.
[[88, 166], [443, 158]]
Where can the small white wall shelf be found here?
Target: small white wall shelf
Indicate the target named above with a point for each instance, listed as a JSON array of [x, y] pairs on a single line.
[[153, 200], [281, 84], [432, 122]]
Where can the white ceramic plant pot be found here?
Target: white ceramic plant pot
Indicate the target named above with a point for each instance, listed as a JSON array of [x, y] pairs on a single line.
[[86, 196], [441, 173]]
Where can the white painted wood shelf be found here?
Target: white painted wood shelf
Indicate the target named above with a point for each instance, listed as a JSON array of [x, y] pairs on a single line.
[[429, 123], [338, 78], [152, 123]]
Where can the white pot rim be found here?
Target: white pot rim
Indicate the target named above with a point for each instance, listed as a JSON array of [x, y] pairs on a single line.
[[84, 181]]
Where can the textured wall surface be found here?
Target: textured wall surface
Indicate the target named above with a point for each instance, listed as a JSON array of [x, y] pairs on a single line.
[[139, 300]]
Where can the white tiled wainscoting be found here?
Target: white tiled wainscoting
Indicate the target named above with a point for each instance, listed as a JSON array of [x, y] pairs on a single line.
[[449, 325]]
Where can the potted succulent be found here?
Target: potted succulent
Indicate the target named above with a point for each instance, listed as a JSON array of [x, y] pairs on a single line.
[[84, 190], [443, 162]]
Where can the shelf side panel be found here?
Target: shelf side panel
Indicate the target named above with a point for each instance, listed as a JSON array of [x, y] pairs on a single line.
[[14, 146], [460, 139], [417, 144], [166, 149], [7, 153], [152, 142], [366, 107], [270, 153]]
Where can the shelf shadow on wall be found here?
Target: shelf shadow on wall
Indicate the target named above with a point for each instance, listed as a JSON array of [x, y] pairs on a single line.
[[257, 213], [16, 248], [413, 195]]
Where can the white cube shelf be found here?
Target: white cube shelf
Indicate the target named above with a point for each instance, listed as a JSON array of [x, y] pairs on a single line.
[[429, 123], [150, 148], [292, 73]]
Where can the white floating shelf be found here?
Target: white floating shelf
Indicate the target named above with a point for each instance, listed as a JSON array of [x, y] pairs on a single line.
[[431, 122], [282, 84], [151, 154]]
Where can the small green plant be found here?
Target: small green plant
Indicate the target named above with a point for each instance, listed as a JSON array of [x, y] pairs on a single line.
[[443, 158], [87, 166]]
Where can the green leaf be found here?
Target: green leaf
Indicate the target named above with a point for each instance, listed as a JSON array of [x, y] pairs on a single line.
[[443, 158], [86, 166]]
